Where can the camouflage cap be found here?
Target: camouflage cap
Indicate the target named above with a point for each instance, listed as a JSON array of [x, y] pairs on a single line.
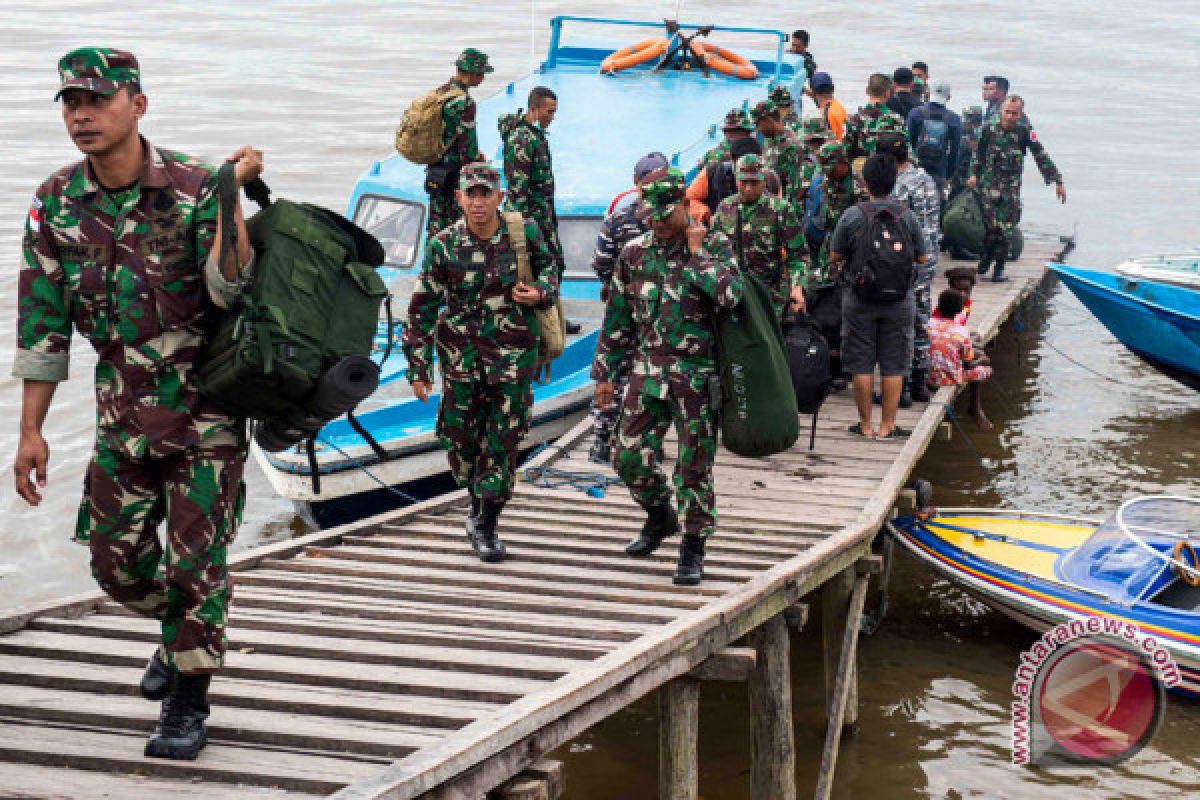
[[472, 60], [750, 167], [780, 95], [97, 69], [831, 153], [764, 108], [737, 119], [815, 128], [889, 123], [479, 173], [663, 196]]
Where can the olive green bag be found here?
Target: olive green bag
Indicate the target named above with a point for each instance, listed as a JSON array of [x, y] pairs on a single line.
[[294, 352], [964, 227]]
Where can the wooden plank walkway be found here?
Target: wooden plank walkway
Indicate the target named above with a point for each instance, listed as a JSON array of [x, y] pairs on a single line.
[[381, 659]]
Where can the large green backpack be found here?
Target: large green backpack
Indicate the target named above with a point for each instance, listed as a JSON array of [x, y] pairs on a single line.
[[759, 417], [295, 351], [963, 226]]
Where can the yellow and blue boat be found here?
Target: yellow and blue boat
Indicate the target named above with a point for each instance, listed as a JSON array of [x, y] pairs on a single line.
[[1044, 570]]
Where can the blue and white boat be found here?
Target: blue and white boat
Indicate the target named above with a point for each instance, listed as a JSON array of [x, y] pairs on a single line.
[[605, 123], [1138, 566], [1152, 306]]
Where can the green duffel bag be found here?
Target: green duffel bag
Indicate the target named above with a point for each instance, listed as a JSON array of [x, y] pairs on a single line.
[[759, 416], [963, 227], [294, 352]]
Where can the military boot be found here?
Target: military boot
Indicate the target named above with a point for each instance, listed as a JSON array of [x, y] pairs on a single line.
[[158, 679], [906, 394], [998, 276], [919, 386], [483, 537], [661, 522], [690, 569], [473, 516], [985, 264], [181, 733]]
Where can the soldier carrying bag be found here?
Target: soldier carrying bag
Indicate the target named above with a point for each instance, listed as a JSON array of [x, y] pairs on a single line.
[[294, 351], [552, 331]]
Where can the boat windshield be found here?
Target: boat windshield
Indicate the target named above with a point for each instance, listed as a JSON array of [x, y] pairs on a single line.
[[578, 237], [1128, 557], [395, 223]]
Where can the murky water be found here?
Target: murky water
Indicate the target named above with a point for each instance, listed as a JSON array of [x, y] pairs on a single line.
[[320, 87]]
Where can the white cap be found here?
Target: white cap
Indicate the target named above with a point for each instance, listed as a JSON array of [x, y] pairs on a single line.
[[941, 92]]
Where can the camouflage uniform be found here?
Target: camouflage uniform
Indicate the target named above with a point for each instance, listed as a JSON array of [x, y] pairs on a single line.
[[997, 165], [865, 124], [917, 190], [783, 153], [486, 343], [737, 119], [130, 270], [972, 122], [529, 175], [781, 96], [458, 137], [839, 196], [618, 229], [772, 245], [814, 130], [661, 318]]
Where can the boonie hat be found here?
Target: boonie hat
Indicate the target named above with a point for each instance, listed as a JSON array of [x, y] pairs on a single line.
[[472, 60], [477, 173], [97, 69], [737, 119], [663, 196]]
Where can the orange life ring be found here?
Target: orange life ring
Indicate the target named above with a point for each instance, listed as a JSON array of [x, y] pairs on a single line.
[[1185, 564], [725, 61], [640, 53]]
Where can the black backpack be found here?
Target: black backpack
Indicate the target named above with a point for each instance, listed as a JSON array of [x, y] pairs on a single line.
[[721, 184], [933, 145], [809, 362], [882, 266]]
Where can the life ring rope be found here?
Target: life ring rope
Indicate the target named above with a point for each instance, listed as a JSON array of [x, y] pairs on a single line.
[[725, 61]]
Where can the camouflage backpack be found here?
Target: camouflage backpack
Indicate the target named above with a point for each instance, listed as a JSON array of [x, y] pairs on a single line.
[[419, 137]]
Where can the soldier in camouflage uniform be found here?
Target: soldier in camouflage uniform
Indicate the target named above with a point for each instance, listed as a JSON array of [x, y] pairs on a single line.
[[781, 96], [529, 170], [120, 247], [918, 191], [815, 133], [470, 303], [840, 191], [865, 124], [620, 227], [766, 234], [667, 288], [458, 134], [782, 149], [996, 169], [737, 125]]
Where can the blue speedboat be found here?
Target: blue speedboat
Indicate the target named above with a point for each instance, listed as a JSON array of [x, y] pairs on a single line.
[[1157, 319], [1044, 570], [605, 123]]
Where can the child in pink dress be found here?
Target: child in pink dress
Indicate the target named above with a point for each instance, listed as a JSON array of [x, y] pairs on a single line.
[[952, 357]]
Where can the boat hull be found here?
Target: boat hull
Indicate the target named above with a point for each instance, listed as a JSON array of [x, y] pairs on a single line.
[[1159, 323], [1040, 602]]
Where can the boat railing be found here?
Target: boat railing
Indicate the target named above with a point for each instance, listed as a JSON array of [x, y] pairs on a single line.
[[556, 25]]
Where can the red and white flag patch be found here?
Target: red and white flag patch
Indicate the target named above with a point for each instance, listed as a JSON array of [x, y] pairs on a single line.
[[35, 215]]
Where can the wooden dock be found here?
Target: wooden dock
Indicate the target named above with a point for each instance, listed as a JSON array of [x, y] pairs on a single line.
[[381, 659]]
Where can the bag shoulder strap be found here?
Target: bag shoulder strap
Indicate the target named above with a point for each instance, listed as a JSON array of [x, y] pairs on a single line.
[[515, 223], [226, 203]]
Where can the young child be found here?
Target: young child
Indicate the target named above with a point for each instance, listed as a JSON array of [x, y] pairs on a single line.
[[962, 279], [952, 357]]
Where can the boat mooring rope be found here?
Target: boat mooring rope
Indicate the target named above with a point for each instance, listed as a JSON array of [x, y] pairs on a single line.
[[365, 470], [591, 482]]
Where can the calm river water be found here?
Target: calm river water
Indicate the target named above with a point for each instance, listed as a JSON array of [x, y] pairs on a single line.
[[320, 86]]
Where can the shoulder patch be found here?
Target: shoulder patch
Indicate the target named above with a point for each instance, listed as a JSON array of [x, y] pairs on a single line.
[[35, 214]]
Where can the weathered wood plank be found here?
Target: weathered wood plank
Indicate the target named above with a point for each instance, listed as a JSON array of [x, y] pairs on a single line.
[[678, 735], [33, 782], [772, 743]]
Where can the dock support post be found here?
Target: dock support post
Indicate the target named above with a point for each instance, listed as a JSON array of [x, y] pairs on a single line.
[[678, 731], [843, 699], [544, 780], [773, 746]]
